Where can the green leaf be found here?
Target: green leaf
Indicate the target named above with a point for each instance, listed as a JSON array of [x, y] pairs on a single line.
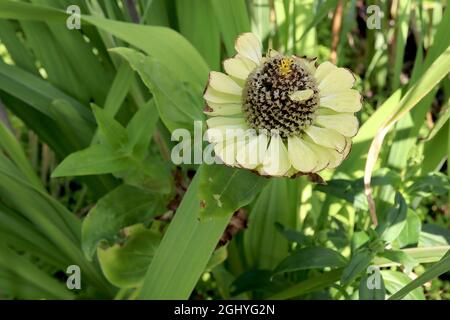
[[434, 235], [419, 254], [198, 24], [233, 20], [309, 285], [434, 271], [97, 159], [390, 229], [411, 232], [119, 89], [432, 184], [218, 257], [400, 257], [365, 293], [140, 129], [395, 281], [293, 235], [22, 266], [179, 104], [311, 258], [125, 264], [321, 13], [166, 278], [166, 45], [122, 207], [358, 264], [440, 123], [258, 281], [223, 189], [151, 173], [278, 203], [112, 131]]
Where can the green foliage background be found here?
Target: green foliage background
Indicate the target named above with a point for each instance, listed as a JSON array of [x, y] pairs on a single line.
[[86, 177]]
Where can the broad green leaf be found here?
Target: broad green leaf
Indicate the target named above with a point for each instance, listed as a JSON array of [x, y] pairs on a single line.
[[26, 269], [434, 271], [395, 281], [432, 184], [16, 49], [12, 148], [223, 190], [293, 235], [440, 123], [321, 13], [125, 264], [122, 207], [151, 173], [401, 33], [112, 131], [390, 229], [218, 257], [179, 104], [97, 159], [433, 154], [198, 24], [233, 20], [119, 89], [311, 258], [375, 293], [410, 233], [141, 127], [40, 94], [400, 257], [312, 284], [252, 280], [434, 235], [166, 45], [187, 245], [438, 70], [357, 265], [419, 254], [278, 202]]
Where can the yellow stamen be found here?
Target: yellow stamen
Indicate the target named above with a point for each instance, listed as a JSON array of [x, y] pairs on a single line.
[[285, 66]]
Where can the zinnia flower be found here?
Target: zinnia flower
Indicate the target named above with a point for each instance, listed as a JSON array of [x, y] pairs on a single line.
[[280, 115]]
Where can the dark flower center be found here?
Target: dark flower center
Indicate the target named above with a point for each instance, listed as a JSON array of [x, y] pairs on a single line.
[[267, 99]]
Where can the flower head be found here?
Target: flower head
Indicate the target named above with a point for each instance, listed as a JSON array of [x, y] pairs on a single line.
[[280, 115]]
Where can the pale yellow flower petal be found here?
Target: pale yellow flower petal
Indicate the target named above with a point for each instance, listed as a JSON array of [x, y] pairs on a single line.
[[224, 121], [223, 83], [310, 63], [239, 67], [251, 154], [337, 80], [328, 158], [327, 137], [344, 123], [224, 109], [220, 133], [301, 155], [276, 159], [226, 151], [323, 70], [214, 96], [343, 101], [249, 46]]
